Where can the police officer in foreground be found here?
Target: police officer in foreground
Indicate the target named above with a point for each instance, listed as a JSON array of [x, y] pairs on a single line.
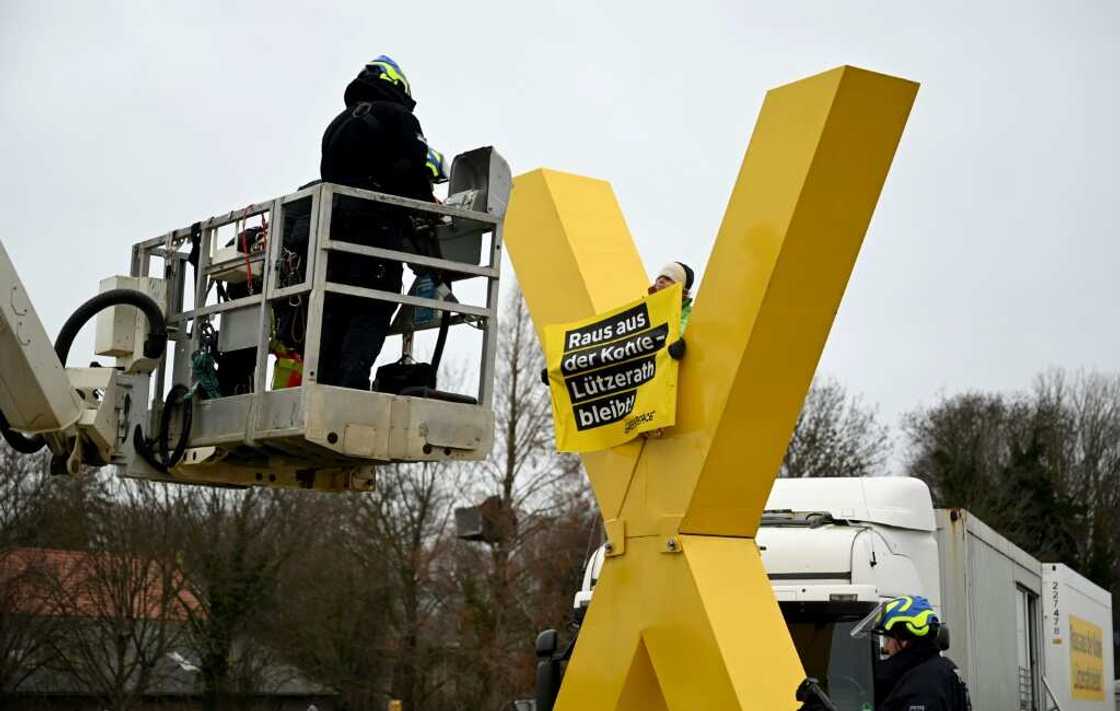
[[915, 676], [375, 143]]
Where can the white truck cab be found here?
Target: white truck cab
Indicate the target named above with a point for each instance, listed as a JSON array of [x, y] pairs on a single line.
[[833, 549]]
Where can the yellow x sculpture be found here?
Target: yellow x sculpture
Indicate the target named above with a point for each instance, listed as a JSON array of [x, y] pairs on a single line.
[[684, 617]]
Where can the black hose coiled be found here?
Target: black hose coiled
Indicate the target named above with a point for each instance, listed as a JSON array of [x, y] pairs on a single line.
[[153, 346], [178, 395], [19, 441], [163, 459]]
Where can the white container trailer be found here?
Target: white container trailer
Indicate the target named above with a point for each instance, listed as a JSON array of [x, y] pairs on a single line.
[[990, 598], [1077, 640]]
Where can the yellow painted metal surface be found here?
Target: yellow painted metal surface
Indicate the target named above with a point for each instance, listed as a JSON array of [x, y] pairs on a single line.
[[571, 249], [684, 617], [574, 257], [703, 621]]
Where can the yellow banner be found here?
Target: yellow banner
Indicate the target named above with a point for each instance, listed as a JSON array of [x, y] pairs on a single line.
[[1086, 654], [611, 376]]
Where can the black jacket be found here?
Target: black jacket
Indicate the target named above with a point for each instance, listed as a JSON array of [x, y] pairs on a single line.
[[376, 143], [918, 678]]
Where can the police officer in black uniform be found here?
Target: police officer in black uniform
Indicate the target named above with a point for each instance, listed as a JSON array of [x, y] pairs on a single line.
[[375, 143], [915, 676]]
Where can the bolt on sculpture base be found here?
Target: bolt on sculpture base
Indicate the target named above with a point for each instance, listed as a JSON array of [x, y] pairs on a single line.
[[684, 616]]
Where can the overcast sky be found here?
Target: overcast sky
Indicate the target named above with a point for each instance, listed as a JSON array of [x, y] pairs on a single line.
[[992, 255]]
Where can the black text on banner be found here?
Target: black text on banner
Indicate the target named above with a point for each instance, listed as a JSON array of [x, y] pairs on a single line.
[[604, 411], [621, 324], [641, 344], [607, 381]]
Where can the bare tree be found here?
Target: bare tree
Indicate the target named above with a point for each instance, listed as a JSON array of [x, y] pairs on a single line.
[[1043, 466], [27, 633], [23, 484], [25, 637], [408, 518], [958, 445], [236, 547], [836, 435], [530, 488], [124, 599], [1085, 439], [337, 615]]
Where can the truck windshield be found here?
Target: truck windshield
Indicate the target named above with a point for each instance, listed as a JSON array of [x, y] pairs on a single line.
[[842, 664]]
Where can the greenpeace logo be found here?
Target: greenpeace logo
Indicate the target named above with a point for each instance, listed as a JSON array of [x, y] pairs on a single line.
[[639, 420]]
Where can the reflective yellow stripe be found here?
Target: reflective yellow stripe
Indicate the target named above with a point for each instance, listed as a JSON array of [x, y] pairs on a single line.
[[435, 163], [902, 604], [389, 73], [918, 624]]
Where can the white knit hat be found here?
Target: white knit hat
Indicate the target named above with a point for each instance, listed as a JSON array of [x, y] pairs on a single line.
[[674, 271]]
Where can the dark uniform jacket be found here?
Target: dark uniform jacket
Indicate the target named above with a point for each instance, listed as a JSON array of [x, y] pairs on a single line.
[[376, 142], [918, 678]]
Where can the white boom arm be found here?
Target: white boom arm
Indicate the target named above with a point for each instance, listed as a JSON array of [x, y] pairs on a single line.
[[35, 394]]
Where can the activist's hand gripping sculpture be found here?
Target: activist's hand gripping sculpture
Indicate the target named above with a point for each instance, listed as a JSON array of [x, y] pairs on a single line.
[[684, 616]]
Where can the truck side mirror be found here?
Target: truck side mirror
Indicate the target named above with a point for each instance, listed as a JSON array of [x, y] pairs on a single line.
[[579, 613], [550, 670], [547, 642]]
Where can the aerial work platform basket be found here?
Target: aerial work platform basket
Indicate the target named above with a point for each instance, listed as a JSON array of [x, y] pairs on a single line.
[[237, 398]]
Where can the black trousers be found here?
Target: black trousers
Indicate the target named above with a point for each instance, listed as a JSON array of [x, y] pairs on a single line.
[[354, 331]]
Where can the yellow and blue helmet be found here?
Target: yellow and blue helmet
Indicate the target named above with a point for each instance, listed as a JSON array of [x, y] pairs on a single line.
[[390, 71], [437, 166], [904, 617], [908, 617]]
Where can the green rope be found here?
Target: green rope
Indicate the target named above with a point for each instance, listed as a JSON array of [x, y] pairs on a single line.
[[205, 369]]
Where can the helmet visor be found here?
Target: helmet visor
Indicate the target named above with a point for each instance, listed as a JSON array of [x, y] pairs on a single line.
[[870, 625]]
